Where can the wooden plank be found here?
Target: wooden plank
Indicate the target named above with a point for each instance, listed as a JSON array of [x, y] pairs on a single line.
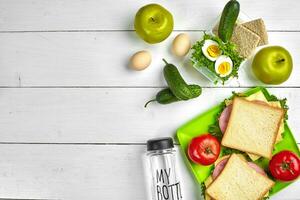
[[28, 15], [101, 59], [107, 115], [75, 172], [86, 172]]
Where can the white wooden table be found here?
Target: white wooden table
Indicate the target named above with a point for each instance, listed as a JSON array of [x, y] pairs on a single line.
[[72, 122]]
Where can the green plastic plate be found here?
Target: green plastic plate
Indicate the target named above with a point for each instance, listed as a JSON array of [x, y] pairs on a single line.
[[200, 125]]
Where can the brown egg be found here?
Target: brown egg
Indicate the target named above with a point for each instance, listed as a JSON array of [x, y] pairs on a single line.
[[140, 60], [181, 45]]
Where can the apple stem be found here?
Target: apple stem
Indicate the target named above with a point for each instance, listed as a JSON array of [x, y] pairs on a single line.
[[165, 61], [152, 19], [281, 60]]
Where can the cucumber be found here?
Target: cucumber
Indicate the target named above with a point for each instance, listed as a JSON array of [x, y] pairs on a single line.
[[176, 83], [229, 16], [166, 96], [196, 90], [178, 89]]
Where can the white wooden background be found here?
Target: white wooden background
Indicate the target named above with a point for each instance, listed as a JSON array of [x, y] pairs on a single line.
[[72, 122]]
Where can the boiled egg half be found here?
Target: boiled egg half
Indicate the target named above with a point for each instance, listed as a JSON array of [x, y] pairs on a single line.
[[223, 66], [211, 50]]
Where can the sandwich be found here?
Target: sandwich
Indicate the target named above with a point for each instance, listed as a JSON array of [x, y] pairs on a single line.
[[252, 127], [239, 180], [248, 127], [256, 105]]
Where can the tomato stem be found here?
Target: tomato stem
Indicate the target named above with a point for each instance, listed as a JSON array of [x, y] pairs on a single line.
[[209, 151], [286, 166]]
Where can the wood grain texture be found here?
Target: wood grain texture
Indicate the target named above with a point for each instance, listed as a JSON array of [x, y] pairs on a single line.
[[88, 129], [74, 172], [30, 15], [106, 115], [101, 59]]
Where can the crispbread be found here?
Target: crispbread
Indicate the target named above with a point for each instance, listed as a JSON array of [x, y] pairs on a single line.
[[258, 26], [252, 127], [238, 181], [246, 41]]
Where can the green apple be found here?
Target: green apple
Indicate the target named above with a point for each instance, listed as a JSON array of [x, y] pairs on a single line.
[[272, 65], [153, 23]]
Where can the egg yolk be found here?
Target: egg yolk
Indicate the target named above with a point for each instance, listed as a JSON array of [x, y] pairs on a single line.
[[224, 67], [213, 51]]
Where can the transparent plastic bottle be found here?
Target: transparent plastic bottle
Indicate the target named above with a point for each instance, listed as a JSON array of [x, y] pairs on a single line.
[[161, 165]]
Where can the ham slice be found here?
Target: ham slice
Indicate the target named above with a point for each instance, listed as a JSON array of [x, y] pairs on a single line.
[[224, 118], [257, 168], [219, 167]]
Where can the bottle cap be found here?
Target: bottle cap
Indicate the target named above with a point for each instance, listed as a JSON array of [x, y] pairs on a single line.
[[160, 143]]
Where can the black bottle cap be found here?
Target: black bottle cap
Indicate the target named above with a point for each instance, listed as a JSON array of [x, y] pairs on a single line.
[[160, 143]]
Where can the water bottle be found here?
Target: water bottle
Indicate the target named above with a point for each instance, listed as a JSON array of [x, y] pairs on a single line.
[[161, 161]]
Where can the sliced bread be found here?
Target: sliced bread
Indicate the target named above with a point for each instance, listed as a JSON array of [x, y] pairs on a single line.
[[258, 26], [238, 181], [252, 127]]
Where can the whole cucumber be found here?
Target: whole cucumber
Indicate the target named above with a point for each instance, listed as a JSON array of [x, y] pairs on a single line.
[[176, 83], [166, 96], [229, 16]]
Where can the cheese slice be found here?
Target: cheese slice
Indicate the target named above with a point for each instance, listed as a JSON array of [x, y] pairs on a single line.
[[257, 96], [253, 156]]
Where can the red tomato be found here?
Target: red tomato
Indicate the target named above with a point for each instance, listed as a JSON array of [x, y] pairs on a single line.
[[204, 149], [285, 166]]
